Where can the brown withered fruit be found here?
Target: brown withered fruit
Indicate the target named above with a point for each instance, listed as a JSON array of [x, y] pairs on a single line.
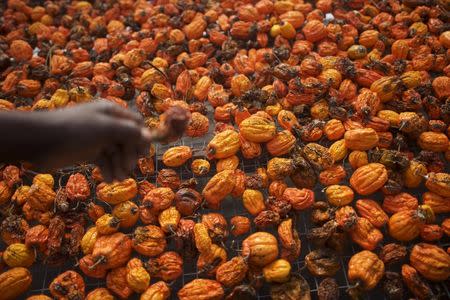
[[168, 178], [296, 288], [217, 226], [267, 218], [321, 212], [279, 205], [322, 262], [187, 201], [393, 286], [184, 239], [392, 253], [328, 289], [244, 292], [320, 235]]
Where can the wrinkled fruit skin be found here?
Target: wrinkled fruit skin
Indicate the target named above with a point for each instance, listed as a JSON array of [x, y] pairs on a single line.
[[415, 283], [369, 178], [232, 272], [431, 261], [206, 288], [117, 192], [328, 290], [77, 187], [366, 267], [69, 284], [14, 282], [261, 247], [218, 187]]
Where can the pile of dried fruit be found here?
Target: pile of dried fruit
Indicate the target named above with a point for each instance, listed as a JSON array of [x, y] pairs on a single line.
[[358, 105]]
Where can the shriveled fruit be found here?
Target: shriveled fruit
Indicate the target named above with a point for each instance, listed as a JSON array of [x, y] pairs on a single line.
[[200, 167], [361, 139], [223, 145], [257, 129], [392, 253], [176, 156], [328, 289], [127, 212], [277, 271], [203, 241], [14, 282], [438, 183], [77, 187], [232, 272], [208, 262], [253, 201], [149, 240], [372, 211], [322, 262], [369, 178], [157, 291], [300, 199], [290, 240], [201, 289], [117, 192], [437, 203], [99, 294], [217, 226], [218, 187], [281, 144], [406, 224], [18, 255], [431, 261], [365, 234], [393, 285], [261, 247], [399, 202], [317, 155], [367, 268], [168, 266], [339, 195], [138, 279], [296, 288], [88, 240], [415, 283], [117, 283], [431, 232], [112, 251], [68, 285], [107, 224]]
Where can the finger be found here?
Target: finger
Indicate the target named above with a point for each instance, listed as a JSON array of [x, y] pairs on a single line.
[[105, 165], [130, 156], [146, 135], [115, 110], [122, 131], [117, 159], [127, 132]]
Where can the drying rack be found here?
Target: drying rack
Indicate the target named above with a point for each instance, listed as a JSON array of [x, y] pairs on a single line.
[[43, 275]]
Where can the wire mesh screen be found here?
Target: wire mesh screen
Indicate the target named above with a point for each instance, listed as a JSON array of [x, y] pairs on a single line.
[[43, 275]]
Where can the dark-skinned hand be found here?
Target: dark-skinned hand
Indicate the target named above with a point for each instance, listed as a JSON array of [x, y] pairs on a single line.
[[100, 132]]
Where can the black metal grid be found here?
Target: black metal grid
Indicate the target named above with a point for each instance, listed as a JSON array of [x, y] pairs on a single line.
[[43, 275]]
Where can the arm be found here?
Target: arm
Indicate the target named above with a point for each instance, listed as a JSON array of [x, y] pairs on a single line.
[[25, 136], [98, 132]]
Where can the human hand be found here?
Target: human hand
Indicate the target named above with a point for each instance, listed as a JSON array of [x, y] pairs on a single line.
[[174, 122], [100, 132]]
